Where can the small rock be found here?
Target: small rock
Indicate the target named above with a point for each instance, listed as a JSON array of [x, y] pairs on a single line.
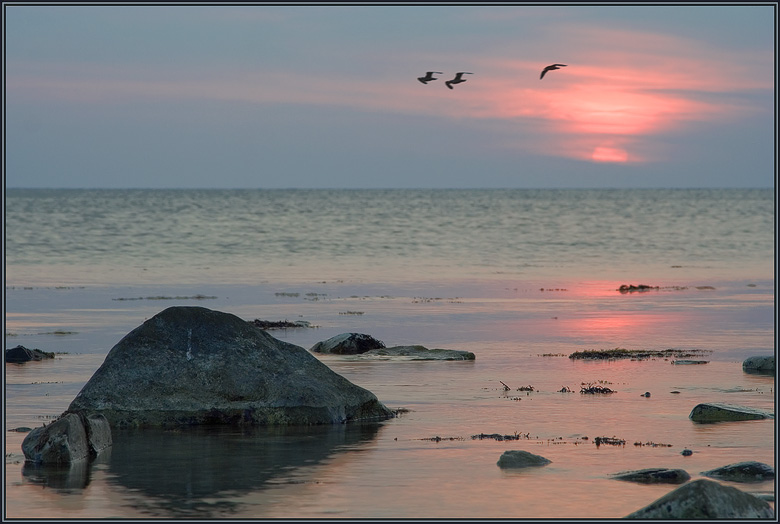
[[654, 476], [347, 344], [70, 438], [21, 354], [761, 364], [716, 412], [521, 459], [743, 472]]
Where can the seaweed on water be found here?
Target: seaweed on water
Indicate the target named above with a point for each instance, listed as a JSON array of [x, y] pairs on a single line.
[[165, 297], [611, 441], [652, 444], [635, 354], [499, 437], [593, 389], [279, 324]]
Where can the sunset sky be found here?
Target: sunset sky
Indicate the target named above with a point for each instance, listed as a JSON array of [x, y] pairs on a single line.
[[326, 96]]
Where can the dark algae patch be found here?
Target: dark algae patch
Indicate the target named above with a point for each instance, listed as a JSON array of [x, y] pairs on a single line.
[[631, 288], [609, 441], [164, 297], [635, 354], [594, 389], [279, 324]]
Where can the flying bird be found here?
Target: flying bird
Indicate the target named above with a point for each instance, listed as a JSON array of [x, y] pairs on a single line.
[[551, 68], [429, 76], [458, 79]]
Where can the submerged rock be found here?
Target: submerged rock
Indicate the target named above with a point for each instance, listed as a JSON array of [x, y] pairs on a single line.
[[70, 438], [348, 344], [21, 354], [716, 412], [421, 353], [762, 365], [521, 459], [192, 365], [654, 476], [705, 499], [743, 472]]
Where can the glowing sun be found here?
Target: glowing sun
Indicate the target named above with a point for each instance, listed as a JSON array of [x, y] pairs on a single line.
[[609, 154]]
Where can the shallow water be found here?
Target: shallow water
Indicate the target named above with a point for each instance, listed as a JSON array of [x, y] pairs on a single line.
[[521, 316], [392, 469]]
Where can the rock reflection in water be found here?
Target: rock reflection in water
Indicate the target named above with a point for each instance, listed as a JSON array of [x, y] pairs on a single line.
[[199, 471], [64, 477]]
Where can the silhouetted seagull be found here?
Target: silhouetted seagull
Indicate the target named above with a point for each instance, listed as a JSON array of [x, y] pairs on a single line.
[[458, 79], [551, 68], [429, 76]]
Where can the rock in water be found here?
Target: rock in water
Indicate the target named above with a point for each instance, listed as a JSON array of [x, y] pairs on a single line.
[[716, 412], [521, 459], [348, 344], [705, 499], [21, 354], [418, 352], [70, 438], [763, 364], [192, 365], [743, 472], [654, 476]]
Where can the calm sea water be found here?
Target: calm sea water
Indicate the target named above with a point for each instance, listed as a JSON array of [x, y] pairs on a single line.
[[522, 278]]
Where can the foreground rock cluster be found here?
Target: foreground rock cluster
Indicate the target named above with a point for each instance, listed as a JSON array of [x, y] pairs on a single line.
[[195, 366]]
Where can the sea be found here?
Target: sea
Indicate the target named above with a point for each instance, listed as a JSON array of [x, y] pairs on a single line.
[[524, 279]]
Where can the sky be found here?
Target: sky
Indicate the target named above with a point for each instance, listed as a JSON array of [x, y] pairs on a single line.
[[327, 96]]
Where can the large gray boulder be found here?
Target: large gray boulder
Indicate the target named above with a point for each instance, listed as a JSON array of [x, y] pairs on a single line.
[[750, 471], [654, 476], [192, 365], [71, 438], [705, 499], [347, 344], [716, 412], [521, 459], [762, 364]]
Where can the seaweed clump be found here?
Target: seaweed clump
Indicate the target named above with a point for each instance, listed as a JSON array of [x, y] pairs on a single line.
[[634, 354], [612, 441], [280, 324], [593, 389]]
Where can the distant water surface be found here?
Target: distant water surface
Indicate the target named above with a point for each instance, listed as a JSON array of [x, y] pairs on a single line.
[[245, 235]]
